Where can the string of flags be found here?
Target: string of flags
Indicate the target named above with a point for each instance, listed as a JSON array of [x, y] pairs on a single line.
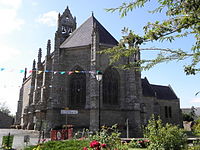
[[28, 87], [93, 73], [50, 71]]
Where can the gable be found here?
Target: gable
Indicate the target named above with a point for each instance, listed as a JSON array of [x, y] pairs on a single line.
[[82, 36]]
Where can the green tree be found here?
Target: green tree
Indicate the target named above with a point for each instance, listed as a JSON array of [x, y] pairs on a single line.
[[183, 19], [4, 108], [196, 127], [193, 113], [187, 117]]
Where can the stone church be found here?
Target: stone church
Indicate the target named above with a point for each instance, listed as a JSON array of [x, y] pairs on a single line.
[[63, 89]]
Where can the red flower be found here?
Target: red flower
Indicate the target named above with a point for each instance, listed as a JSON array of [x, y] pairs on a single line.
[[146, 141], [103, 145], [94, 144], [85, 148], [140, 141]]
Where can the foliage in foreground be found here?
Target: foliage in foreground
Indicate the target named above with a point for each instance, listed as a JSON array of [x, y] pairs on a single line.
[[160, 137], [196, 127], [182, 20], [140, 143], [164, 136], [61, 145], [109, 137], [194, 147]]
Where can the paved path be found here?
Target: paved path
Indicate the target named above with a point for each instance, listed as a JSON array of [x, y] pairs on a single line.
[[18, 142]]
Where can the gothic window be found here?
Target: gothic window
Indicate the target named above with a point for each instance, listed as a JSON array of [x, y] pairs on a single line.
[[110, 87], [166, 112], [77, 89], [170, 111]]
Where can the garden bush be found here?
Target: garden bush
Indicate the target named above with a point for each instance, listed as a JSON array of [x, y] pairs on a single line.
[[167, 137], [140, 143], [61, 145], [196, 127], [109, 136]]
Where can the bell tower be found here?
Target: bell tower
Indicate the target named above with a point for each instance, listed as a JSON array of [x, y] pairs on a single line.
[[66, 24]]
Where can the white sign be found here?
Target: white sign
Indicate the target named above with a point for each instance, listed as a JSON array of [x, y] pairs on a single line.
[[72, 112]]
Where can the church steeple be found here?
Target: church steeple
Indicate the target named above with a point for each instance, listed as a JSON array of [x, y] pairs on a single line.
[[66, 24]]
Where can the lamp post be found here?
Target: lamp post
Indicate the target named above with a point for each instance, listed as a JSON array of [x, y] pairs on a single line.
[[99, 76]]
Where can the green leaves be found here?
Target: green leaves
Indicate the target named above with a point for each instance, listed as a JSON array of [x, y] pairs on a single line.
[[164, 136], [127, 7], [183, 20]]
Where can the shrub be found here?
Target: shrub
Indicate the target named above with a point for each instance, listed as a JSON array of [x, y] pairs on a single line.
[[187, 117], [61, 145], [109, 136], [164, 136], [140, 143], [196, 127], [195, 146]]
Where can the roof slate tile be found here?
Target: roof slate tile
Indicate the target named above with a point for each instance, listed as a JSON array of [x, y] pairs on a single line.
[[82, 36]]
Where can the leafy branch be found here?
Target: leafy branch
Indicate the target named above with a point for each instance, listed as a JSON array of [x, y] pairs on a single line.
[[183, 20]]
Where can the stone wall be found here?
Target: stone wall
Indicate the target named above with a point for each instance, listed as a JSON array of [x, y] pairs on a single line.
[[175, 111], [157, 106]]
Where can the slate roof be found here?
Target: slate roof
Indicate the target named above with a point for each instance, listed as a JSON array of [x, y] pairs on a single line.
[[158, 91], [147, 90], [82, 36]]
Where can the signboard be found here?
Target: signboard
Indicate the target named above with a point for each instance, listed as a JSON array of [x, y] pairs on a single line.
[[67, 112]]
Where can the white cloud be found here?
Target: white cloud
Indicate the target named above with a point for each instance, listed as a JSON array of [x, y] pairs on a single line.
[[49, 18], [8, 13], [10, 21], [7, 53], [195, 100], [33, 3], [11, 3]]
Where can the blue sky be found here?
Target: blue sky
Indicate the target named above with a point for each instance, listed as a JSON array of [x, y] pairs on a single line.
[[26, 25]]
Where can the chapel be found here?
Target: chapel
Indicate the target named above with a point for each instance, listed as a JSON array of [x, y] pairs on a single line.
[[65, 88]]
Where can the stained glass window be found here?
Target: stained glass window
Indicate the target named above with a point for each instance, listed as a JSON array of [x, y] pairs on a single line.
[[111, 87], [77, 89]]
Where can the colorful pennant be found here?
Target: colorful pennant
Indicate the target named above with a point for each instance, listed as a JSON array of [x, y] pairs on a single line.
[[54, 72]]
